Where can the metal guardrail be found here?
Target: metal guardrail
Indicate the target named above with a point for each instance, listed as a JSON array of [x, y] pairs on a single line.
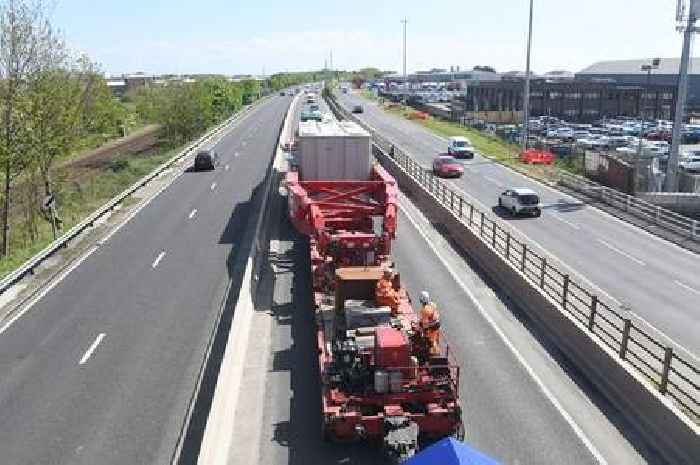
[[30, 265], [671, 374], [662, 217]]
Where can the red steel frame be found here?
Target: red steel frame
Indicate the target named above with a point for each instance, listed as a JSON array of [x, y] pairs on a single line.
[[337, 216]]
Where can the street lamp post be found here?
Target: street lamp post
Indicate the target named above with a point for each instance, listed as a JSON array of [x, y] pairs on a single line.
[[405, 79], [526, 96], [648, 68]]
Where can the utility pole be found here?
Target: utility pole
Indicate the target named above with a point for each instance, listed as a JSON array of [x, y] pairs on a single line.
[[648, 68], [526, 94], [687, 25], [405, 80]]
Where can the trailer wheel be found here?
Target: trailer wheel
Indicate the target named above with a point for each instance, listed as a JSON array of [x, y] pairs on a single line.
[[459, 434]]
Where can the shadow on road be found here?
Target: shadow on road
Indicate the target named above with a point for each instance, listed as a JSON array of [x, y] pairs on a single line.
[[301, 434], [564, 206], [238, 232]]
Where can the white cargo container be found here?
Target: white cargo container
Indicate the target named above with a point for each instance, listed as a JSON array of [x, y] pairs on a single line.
[[333, 150]]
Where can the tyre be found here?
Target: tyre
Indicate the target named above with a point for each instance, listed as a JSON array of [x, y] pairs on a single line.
[[500, 203], [513, 211], [459, 434], [538, 213]]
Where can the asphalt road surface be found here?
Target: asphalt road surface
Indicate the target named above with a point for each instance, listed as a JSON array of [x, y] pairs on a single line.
[[102, 368], [658, 280], [522, 403]]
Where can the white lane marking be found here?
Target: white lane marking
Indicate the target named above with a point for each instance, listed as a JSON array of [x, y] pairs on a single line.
[[226, 168], [621, 252], [236, 154], [525, 238], [558, 217], [598, 211], [158, 259], [194, 212], [685, 286], [519, 357], [213, 186], [61, 275], [92, 348]]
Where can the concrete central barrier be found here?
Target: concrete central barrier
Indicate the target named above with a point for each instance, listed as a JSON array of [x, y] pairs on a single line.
[[655, 417]]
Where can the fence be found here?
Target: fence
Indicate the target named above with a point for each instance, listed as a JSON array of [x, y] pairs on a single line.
[[30, 265], [654, 214], [669, 372]]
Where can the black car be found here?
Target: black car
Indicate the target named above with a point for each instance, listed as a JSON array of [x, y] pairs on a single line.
[[358, 109], [206, 160]]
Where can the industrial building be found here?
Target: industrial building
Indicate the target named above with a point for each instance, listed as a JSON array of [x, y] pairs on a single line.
[[629, 72], [572, 100]]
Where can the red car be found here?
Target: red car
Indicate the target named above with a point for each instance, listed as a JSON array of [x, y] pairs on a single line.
[[447, 166]]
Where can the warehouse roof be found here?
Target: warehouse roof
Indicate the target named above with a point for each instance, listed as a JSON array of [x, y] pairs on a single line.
[[666, 66]]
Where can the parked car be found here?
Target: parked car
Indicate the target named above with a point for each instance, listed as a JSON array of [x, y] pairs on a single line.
[[206, 160], [520, 201], [690, 162], [358, 109], [282, 94], [460, 147], [446, 166], [562, 150]]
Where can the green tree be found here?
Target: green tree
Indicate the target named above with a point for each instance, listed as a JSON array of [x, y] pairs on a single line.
[[28, 45]]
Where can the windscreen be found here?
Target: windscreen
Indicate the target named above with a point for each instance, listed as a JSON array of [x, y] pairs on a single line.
[[529, 199]]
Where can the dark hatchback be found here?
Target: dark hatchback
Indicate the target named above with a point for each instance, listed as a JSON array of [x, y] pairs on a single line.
[[206, 160]]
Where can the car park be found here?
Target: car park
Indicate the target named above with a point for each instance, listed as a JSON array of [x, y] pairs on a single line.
[[460, 147], [690, 162], [520, 201], [447, 166], [206, 160]]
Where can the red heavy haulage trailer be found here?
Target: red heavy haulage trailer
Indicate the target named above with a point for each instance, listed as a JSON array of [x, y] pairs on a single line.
[[379, 380]]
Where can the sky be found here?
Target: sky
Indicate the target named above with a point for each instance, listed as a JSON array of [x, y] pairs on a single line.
[[252, 37]]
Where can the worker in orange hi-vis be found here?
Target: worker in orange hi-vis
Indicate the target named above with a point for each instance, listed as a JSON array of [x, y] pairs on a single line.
[[385, 294], [430, 322]]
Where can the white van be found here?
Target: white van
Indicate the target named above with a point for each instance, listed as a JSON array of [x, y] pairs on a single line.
[[460, 147]]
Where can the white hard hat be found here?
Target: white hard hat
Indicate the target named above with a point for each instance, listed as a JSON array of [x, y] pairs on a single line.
[[424, 297]]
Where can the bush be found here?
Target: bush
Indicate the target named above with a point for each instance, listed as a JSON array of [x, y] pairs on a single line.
[[118, 165]]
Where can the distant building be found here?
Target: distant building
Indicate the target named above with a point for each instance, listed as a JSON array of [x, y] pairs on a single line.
[[559, 75], [117, 87], [138, 80], [460, 79], [572, 100], [629, 72]]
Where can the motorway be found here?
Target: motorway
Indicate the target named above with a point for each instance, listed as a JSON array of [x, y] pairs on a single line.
[[101, 370], [657, 280], [522, 403]]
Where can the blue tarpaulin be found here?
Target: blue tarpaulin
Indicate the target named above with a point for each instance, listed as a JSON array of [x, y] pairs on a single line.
[[449, 451]]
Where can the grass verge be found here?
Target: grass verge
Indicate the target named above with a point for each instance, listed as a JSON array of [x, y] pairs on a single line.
[[488, 145], [79, 193]]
